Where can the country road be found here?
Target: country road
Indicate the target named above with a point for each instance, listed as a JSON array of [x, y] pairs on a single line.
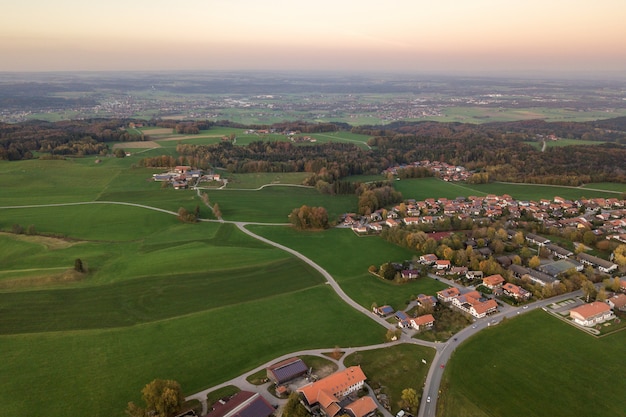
[[443, 350]]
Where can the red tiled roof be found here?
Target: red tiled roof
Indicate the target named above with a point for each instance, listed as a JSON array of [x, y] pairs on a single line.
[[338, 382], [592, 309], [362, 407], [493, 280]]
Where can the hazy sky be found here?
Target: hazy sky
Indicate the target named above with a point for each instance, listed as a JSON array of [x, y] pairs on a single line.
[[380, 35]]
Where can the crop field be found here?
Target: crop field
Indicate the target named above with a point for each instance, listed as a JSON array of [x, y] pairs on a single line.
[[489, 114], [510, 370]]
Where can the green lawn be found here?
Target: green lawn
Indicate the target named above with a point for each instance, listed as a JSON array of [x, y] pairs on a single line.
[[256, 180], [394, 368], [535, 365]]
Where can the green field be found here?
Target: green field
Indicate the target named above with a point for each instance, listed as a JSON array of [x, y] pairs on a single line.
[[423, 188], [394, 369], [535, 365], [346, 257]]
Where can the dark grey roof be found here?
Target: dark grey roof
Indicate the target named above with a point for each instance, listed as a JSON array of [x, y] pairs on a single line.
[[287, 370]]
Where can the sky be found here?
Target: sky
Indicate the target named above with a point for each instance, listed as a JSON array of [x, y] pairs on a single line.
[[448, 36]]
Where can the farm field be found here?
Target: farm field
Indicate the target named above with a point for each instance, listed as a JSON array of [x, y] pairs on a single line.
[[347, 256], [423, 188], [480, 115], [96, 372], [274, 204], [546, 376]]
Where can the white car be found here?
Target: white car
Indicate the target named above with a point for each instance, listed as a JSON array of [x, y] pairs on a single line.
[[428, 399]]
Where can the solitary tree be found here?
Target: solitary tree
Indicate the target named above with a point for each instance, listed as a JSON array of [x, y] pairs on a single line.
[[410, 399], [78, 265], [163, 398]]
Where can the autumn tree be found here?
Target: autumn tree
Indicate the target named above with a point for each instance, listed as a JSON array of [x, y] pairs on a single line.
[[293, 407], [620, 255], [410, 400], [163, 398], [307, 217], [534, 262]]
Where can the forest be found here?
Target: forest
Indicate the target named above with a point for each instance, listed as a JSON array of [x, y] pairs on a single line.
[[493, 151]]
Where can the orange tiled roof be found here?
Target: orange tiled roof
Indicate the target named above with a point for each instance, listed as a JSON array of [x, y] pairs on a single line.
[[362, 406], [425, 319], [493, 280], [591, 309], [321, 390], [484, 307]]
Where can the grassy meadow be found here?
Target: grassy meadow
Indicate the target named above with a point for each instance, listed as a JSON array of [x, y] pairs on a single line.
[[347, 256], [394, 369], [512, 370], [422, 188]]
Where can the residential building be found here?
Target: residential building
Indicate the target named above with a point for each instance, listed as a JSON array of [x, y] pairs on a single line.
[[448, 294], [591, 314], [493, 281], [617, 302], [422, 322], [516, 291], [602, 265]]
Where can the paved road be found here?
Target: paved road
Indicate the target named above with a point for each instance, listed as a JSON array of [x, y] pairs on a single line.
[[435, 374], [443, 350]]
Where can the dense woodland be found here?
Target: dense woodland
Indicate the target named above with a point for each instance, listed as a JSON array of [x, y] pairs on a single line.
[[494, 151]]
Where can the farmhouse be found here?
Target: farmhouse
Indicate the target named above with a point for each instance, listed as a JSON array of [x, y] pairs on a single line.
[[324, 395], [410, 273], [286, 370], [591, 314], [242, 404], [363, 407]]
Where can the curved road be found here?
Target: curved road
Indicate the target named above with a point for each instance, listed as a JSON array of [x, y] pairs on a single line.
[[443, 350]]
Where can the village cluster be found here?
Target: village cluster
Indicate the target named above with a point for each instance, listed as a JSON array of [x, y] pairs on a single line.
[[602, 217], [183, 176], [443, 170]]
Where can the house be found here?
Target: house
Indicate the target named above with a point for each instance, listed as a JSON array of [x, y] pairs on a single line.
[[622, 284], [391, 222], [428, 259], [426, 300], [442, 264], [536, 239], [493, 281], [474, 304], [410, 273], [422, 322], [448, 294], [363, 407], [558, 251], [617, 302], [515, 291], [326, 394], [591, 314], [383, 311], [602, 265], [474, 274], [458, 270], [286, 370], [242, 404]]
